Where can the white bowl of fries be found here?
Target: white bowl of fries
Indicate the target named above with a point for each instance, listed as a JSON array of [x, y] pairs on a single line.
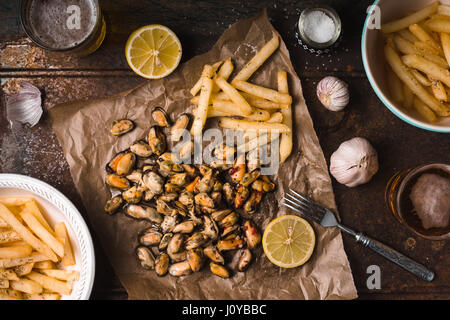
[[407, 61], [46, 251]]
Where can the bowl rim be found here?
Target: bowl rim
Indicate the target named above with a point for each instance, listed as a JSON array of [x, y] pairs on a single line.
[[19, 179], [396, 111]]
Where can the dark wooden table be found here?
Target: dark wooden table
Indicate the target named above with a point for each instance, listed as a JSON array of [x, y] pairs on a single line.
[[37, 153]]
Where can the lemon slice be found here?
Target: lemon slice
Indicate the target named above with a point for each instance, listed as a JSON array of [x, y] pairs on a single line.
[[153, 51], [288, 241]]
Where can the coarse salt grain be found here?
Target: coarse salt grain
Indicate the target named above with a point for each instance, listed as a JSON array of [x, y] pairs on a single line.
[[319, 27]]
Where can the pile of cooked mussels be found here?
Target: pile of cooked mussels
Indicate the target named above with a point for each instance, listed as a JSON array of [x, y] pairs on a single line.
[[191, 209]]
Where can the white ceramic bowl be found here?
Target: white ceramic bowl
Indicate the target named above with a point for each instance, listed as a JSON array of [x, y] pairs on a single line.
[[58, 208], [374, 62]]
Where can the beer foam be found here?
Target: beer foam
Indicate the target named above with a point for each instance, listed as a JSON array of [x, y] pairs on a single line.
[[48, 22]]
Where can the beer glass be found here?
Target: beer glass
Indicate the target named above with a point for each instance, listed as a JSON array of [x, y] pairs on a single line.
[[398, 199], [70, 26]]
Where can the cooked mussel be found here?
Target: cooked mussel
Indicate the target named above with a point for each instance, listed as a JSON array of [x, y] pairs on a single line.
[[184, 227], [141, 149], [186, 198], [117, 181], [153, 181], [210, 228], [212, 253], [204, 200], [150, 237], [230, 244], [250, 177], [229, 193], [177, 130], [229, 220], [160, 117], [132, 195], [169, 223], [195, 259], [119, 127], [179, 179], [220, 214], [252, 234], [180, 269], [113, 204], [219, 270], [136, 177], [162, 264], [251, 205], [143, 212], [165, 241], [164, 208], [245, 256], [146, 258], [195, 241], [242, 194], [175, 243], [156, 140]]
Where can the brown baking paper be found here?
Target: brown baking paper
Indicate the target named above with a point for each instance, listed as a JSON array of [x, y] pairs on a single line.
[[83, 131]]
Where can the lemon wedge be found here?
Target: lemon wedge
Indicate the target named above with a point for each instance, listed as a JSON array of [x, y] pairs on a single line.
[[288, 241], [153, 51]]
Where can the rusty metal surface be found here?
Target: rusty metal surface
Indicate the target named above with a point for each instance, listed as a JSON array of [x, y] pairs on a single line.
[[36, 151]]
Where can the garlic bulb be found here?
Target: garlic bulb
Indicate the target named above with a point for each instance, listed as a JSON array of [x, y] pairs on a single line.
[[333, 93], [354, 162], [25, 106]]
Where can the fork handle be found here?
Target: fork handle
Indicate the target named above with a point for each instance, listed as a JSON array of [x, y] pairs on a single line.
[[396, 257]]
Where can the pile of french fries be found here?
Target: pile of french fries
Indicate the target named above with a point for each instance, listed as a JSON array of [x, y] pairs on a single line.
[[260, 110], [31, 253], [418, 53]]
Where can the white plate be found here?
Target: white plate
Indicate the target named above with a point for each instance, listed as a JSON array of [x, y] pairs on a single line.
[[58, 208]]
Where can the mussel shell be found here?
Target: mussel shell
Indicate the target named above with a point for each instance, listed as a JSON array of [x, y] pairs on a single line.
[[119, 127], [156, 140], [132, 195], [126, 164], [113, 204], [141, 149], [160, 117]]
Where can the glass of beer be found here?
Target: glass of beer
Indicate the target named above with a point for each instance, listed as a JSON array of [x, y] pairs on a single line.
[[420, 199], [70, 26]]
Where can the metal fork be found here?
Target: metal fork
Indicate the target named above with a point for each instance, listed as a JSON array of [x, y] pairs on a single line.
[[326, 218]]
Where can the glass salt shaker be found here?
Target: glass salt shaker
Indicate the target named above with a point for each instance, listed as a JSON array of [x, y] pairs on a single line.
[[319, 29]]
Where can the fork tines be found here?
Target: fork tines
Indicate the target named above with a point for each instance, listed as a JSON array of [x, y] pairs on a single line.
[[303, 205]]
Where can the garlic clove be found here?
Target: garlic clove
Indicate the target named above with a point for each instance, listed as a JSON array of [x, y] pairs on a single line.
[[333, 93], [354, 162], [25, 106]]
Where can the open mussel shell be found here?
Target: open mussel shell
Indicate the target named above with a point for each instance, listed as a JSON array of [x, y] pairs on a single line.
[[120, 127], [160, 117]]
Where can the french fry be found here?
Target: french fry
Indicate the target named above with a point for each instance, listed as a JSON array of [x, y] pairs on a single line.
[[403, 73], [424, 48], [439, 25], [405, 22], [198, 85], [7, 274], [406, 47], [428, 67], [225, 71], [445, 40], [66, 275], [3, 223], [33, 207], [444, 10], [232, 110], [61, 232], [395, 86], [44, 265], [263, 92], [10, 294], [252, 100], [42, 233], [42, 296], [8, 236], [409, 97], [260, 57], [13, 252], [26, 285], [26, 234], [50, 283], [424, 110], [24, 269], [438, 90], [406, 34], [10, 263], [423, 36], [15, 201], [421, 78], [276, 117], [245, 125], [4, 284], [234, 95], [286, 137], [205, 94]]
